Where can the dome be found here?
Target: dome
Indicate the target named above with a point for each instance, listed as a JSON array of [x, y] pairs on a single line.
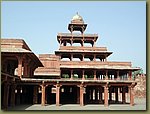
[[77, 18]]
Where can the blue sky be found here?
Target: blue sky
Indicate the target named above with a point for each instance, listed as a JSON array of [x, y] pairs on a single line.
[[121, 26]]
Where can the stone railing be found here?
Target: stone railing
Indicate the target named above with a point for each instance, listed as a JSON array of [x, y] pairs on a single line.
[[94, 63], [83, 48]]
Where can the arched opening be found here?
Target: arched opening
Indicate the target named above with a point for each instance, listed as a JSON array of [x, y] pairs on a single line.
[[88, 58], [66, 43], [65, 57], [112, 75], [94, 95], [77, 43], [88, 45], [77, 73], [77, 57], [89, 74], [100, 74], [97, 59], [65, 73], [68, 94]]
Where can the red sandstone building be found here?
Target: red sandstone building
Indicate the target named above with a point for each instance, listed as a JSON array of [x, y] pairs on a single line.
[[73, 75]]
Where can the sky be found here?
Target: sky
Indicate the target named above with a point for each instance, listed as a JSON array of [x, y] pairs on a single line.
[[121, 26]]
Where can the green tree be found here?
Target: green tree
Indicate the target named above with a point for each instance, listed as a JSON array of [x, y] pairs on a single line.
[[138, 72]]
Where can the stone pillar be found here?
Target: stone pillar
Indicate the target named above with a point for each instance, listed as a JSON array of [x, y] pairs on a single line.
[[94, 43], [20, 61], [71, 57], [106, 75], [131, 96], [81, 95], [46, 91], [29, 70], [12, 100], [6, 95], [94, 57], [57, 95], [82, 44], [71, 74], [35, 95], [116, 94], [71, 41], [105, 58], [106, 95], [82, 57], [25, 70], [118, 75], [95, 75], [43, 95], [130, 75], [83, 77], [123, 95]]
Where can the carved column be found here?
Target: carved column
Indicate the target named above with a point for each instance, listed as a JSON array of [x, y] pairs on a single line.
[[20, 62], [95, 75], [71, 74], [71, 57], [106, 95], [94, 43], [130, 75], [82, 57], [118, 75], [25, 70], [131, 96], [81, 95], [43, 95], [83, 77], [82, 43], [106, 75], [71, 40], [94, 59], [57, 94]]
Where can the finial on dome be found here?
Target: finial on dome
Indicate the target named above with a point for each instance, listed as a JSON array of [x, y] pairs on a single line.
[[77, 24], [77, 19]]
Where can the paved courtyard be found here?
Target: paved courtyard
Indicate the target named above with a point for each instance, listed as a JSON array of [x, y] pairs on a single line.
[[140, 104]]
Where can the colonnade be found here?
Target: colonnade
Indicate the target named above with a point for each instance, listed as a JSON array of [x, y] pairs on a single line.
[[105, 74], [101, 94]]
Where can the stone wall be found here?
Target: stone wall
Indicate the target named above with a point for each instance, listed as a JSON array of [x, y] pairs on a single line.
[[140, 88]]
